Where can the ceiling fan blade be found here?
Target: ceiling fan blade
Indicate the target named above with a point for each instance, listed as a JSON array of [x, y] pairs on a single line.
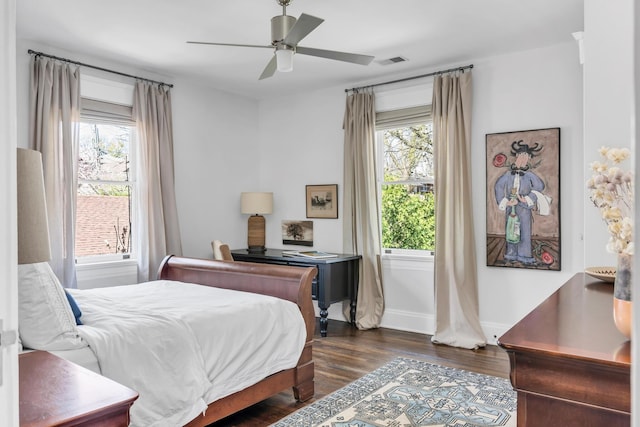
[[338, 56], [231, 44], [301, 29], [270, 69]]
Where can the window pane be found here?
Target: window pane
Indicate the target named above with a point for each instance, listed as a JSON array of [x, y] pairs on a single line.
[[103, 223], [408, 216], [408, 153], [104, 152]]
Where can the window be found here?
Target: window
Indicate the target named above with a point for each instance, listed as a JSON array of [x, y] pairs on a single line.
[[406, 181], [105, 183]]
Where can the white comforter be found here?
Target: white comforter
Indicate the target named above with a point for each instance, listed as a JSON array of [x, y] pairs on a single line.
[[181, 346]]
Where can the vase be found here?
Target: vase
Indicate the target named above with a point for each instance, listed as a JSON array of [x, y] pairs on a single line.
[[622, 303]]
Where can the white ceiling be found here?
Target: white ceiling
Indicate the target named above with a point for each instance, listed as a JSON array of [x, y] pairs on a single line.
[[151, 35]]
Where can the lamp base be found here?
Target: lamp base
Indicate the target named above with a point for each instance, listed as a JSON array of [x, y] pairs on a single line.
[[255, 234]]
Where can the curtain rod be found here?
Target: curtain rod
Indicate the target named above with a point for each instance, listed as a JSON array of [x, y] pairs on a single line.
[[355, 89], [32, 52]]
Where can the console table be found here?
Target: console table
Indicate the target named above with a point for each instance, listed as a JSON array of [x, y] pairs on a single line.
[[337, 277], [569, 364], [56, 392]]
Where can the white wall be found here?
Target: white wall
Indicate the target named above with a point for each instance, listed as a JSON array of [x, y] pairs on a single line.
[[8, 224], [300, 144], [608, 101], [528, 90], [217, 156]]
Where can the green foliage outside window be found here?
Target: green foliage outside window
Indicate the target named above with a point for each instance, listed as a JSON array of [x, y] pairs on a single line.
[[408, 219]]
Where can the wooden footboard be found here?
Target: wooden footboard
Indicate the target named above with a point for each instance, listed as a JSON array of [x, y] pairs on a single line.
[[289, 283]]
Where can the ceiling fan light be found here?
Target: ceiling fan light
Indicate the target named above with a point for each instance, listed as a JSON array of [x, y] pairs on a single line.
[[284, 59]]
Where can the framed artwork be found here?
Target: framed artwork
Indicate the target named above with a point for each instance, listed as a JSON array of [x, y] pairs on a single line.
[[297, 232], [523, 199], [322, 201]]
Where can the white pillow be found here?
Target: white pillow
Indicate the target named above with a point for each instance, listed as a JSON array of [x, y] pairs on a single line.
[[45, 318]]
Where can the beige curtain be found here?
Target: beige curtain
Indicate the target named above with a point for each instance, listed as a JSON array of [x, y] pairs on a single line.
[[456, 288], [157, 215], [54, 115], [361, 226]]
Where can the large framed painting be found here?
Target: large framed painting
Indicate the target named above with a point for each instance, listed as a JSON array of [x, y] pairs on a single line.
[[523, 199]]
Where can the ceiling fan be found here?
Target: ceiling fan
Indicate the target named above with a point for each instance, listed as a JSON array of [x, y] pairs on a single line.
[[286, 33]]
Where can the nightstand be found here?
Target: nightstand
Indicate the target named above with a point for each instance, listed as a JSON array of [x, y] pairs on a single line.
[[54, 391]]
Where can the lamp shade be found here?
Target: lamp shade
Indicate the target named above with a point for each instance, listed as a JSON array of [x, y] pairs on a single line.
[[284, 60], [256, 203], [33, 227]]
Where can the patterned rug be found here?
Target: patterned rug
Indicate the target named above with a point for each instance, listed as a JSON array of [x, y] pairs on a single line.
[[410, 393]]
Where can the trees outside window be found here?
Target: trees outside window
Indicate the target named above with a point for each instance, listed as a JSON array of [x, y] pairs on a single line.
[[407, 199]]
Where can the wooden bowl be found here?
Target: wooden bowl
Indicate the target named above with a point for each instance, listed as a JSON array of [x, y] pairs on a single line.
[[606, 274]]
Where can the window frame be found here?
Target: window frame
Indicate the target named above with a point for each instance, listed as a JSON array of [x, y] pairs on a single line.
[[95, 116], [394, 119]]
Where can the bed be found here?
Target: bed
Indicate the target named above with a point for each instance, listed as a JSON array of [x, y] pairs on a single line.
[[216, 359]]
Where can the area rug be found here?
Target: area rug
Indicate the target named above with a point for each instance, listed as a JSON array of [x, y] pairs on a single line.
[[411, 393]]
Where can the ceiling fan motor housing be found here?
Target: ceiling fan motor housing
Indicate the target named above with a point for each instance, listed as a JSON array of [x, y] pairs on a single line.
[[280, 27]]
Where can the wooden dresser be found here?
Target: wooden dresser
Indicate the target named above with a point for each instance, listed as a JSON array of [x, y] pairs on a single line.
[[569, 364], [56, 392]]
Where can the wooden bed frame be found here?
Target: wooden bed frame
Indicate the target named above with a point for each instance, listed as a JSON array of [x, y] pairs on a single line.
[[289, 283]]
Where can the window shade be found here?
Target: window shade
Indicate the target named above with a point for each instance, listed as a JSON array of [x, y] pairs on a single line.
[[106, 112], [403, 117]]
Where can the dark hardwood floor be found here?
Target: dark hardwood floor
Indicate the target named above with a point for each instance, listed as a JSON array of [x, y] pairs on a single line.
[[347, 354]]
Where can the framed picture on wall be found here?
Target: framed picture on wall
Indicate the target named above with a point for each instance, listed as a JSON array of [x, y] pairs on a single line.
[[523, 199], [322, 201]]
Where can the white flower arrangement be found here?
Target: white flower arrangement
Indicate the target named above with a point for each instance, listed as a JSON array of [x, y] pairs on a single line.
[[611, 191]]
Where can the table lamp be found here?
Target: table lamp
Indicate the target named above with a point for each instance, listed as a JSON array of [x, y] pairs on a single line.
[[33, 227], [256, 204]]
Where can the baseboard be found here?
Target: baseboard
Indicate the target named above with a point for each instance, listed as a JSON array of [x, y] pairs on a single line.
[[418, 322], [493, 331], [408, 321]]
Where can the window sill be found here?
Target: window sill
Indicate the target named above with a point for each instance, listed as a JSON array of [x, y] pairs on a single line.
[[405, 255], [106, 264]]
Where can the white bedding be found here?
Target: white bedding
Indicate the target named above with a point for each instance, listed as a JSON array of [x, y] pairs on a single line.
[[182, 346]]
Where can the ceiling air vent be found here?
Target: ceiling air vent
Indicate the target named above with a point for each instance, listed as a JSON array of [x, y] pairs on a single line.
[[393, 60]]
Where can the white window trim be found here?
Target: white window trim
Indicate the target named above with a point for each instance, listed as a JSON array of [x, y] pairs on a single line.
[[106, 258], [102, 89], [408, 254]]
